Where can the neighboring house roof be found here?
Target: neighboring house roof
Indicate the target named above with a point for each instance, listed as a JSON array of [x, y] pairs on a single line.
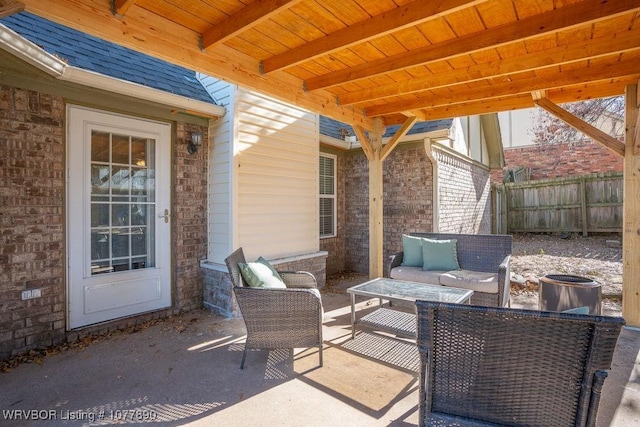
[[90, 53], [337, 130]]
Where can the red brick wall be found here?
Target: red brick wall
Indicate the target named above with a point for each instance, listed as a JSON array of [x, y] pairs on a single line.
[[32, 235], [556, 161], [190, 217]]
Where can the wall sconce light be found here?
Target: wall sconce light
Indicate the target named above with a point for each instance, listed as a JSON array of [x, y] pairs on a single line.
[[194, 142]]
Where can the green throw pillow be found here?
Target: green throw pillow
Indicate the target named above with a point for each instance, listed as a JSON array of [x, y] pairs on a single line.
[[268, 264], [258, 275], [412, 248], [441, 255], [578, 310]]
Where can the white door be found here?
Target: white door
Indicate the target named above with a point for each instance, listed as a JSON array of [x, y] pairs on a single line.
[[118, 228]]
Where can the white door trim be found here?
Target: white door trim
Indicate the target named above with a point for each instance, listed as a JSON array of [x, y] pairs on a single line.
[[102, 297]]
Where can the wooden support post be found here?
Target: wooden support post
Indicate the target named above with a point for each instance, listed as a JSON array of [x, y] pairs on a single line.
[[376, 205], [631, 216]]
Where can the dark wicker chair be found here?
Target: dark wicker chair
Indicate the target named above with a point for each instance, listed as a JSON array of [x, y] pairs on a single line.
[[278, 318], [501, 366]]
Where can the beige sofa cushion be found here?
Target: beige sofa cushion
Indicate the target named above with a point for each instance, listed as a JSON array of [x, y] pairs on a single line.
[[475, 280], [415, 274]]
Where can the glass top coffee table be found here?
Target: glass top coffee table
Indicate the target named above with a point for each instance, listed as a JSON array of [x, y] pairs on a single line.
[[399, 291]]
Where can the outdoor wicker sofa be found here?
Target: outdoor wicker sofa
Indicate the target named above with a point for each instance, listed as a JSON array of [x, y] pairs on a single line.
[[502, 366], [278, 318], [484, 267]]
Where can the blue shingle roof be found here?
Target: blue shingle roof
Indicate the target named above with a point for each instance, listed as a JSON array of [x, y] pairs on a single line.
[[90, 53], [332, 128]]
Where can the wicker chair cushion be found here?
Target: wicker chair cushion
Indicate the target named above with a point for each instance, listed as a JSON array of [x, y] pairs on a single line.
[[440, 255], [412, 248], [258, 275], [477, 281], [415, 274]]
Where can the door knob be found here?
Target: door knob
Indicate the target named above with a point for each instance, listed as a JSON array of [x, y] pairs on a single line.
[[165, 216]]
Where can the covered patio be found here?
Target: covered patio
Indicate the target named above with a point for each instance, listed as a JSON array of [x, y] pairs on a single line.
[[184, 370], [370, 64], [375, 64]]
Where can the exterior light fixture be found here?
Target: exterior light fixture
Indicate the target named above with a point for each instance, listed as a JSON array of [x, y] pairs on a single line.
[[194, 142]]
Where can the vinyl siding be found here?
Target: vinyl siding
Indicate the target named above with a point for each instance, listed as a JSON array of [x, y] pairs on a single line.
[[220, 233], [277, 177]]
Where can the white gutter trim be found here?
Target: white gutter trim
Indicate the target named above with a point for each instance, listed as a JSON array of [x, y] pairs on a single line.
[[334, 142], [135, 90], [31, 53]]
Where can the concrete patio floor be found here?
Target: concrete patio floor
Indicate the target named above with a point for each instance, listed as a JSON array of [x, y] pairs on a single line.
[[185, 371]]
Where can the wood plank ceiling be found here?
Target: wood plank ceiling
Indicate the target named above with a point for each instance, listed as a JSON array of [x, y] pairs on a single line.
[[355, 60]]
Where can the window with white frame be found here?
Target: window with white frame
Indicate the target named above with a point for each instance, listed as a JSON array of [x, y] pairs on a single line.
[[327, 204]]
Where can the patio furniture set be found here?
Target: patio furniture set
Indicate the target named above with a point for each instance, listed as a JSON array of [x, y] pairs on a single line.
[[481, 363]]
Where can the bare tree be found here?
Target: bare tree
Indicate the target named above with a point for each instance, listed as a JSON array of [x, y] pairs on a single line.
[[604, 112]]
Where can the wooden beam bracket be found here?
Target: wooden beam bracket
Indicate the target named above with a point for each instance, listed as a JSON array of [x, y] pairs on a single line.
[[599, 136], [119, 8], [8, 8], [395, 139]]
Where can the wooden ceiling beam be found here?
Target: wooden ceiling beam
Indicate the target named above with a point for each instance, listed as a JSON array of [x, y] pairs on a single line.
[[245, 18], [603, 89], [596, 134], [145, 32], [119, 8], [583, 49], [462, 93], [581, 13], [8, 8], [394, 20]]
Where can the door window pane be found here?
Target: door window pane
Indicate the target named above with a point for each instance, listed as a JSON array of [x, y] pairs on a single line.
[[100, 215], [120, 148], [122, 202], [100, 147]]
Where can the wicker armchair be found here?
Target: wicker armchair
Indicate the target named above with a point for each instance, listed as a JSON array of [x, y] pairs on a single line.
[[501, 366], [278, 318]]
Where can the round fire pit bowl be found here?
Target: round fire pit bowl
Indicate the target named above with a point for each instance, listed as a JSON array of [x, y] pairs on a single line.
[[561, 292]]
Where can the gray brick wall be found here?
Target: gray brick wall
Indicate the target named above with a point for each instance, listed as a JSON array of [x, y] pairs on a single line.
[[464, 195], [32, 235]]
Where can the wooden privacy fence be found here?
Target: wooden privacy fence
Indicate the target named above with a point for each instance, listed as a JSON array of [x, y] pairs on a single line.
[[586, 204]]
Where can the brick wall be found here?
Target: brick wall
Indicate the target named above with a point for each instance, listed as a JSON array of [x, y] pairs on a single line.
[[31, 219], [464, 195], [408, 202], [557, 161], [32, 235], [408, 195], [190, 217]]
